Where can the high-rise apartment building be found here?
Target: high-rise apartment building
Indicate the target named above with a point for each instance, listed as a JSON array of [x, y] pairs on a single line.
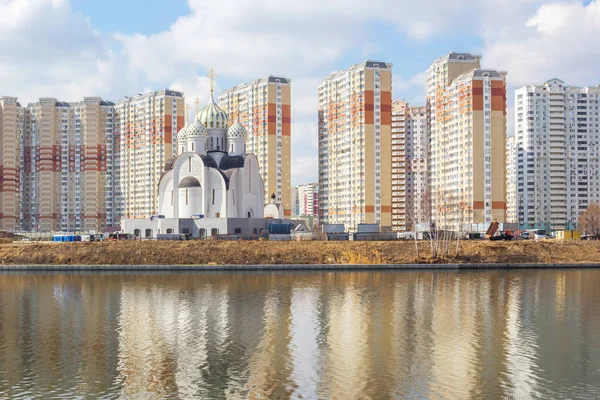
[[410, 179], [263, 107], [294, 201], [147, 127], [556, 154], [10, 169], [308, 199], [355, 111], [66, 166], [466, 107], [511, 180]]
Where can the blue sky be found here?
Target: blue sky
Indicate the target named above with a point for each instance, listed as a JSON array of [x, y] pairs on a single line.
[[74, 48]]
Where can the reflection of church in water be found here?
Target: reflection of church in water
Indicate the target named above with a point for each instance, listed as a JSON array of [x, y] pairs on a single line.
[[212, 186]]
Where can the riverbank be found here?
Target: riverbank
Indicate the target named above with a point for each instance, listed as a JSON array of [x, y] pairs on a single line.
[[301, 254]]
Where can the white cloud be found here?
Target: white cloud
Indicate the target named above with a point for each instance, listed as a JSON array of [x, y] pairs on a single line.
[[558, 40]]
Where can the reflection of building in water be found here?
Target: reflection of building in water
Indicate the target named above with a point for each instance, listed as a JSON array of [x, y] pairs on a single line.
[[347, 337], [269, 369], [304, 342], [192, 342], [454, 325]]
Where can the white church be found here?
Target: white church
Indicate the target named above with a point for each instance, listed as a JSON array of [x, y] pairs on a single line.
[[212, 187]]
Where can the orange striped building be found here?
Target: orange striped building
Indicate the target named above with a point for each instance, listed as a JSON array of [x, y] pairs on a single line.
[[355, 111], [466, 106], [10, 170], [66, 166], [263, 107], [147, 126]]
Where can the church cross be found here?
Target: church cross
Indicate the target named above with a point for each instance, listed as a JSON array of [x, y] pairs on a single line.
[[212, 75]]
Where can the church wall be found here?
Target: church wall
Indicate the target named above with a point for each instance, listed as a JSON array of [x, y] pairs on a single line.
[[188, 164], [236, 192], [253, 188], [216, 198], [190, 202], [165, 206]]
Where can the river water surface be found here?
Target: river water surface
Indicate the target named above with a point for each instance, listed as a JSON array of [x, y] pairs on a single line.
[[340, 335]]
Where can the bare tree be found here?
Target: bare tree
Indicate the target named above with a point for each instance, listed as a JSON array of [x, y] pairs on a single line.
[[589, 220]]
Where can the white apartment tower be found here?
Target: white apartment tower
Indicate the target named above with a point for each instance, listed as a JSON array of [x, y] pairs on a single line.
[[557, 154], [355, 146], [263, 107], [308, 199], [466, 107], [511, 180], [147, 127]]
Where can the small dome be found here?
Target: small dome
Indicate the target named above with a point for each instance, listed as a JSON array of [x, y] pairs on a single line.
[[197, 129], [194, 129], [213, 116], [182, 134], [236, 130]]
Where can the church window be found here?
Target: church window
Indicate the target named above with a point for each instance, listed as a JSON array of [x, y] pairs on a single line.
[[213, 200], [182, 150], [186, 197], [190, 164], [192, 146], [231, 148], [238, 231], [169, 230]]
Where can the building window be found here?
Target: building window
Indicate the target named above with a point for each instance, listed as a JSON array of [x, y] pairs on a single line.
[[213, 197]]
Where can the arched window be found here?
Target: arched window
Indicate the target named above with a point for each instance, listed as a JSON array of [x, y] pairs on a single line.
[[214, 232], [192, 146], [169, 230], [148, 233], [202, 232], [136, 232]]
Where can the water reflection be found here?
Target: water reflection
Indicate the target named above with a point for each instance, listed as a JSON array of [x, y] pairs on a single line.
[[351, 335]]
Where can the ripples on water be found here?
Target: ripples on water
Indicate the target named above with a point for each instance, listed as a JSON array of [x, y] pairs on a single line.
[[350, 335]]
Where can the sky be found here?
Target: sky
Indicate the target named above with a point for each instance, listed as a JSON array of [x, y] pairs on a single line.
[[69, 49]]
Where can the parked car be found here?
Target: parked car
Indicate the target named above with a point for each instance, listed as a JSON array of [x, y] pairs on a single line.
[[524, 236]]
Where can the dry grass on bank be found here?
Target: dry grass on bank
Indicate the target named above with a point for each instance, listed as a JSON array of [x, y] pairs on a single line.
[[264, 252]]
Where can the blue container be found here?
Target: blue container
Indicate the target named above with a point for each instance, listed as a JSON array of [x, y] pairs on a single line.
[[280, 229]]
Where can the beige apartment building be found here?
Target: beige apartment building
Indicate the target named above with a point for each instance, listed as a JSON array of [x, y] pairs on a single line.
[[263, 107], [10, 169], [147, 127], [66, 172], [410, 179], [355, 179], [467, 111]]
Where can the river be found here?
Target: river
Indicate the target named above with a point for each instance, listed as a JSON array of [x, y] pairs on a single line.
[[276, 335]]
